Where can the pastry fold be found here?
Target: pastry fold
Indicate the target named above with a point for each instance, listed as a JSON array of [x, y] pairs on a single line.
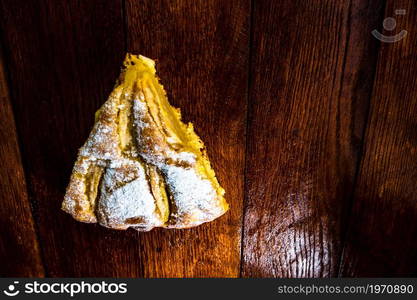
[[141, 166]]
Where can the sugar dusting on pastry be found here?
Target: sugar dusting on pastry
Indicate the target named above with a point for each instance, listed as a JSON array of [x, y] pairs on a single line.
[[141, 167]]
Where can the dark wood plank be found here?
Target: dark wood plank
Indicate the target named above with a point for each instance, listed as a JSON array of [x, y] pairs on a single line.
[[19, 250], [383, 229], [312, 72], [202, 53], [64, 58]]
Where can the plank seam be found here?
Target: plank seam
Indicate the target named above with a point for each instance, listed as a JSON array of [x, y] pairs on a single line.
[[6, 58], [360, 154], [342, 79], [247, 120]]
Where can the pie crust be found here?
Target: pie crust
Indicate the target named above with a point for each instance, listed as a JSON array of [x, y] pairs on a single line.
[[141, 166]]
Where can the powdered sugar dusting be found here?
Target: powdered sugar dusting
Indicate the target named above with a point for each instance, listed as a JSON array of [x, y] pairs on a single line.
[[103, 142], [195, 199], [128, 204], [125, 194]]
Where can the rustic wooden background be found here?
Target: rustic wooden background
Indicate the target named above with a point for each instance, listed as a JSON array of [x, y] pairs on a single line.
[[310, 123]]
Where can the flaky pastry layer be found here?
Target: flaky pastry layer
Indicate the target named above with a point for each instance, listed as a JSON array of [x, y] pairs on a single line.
[[141, 166]]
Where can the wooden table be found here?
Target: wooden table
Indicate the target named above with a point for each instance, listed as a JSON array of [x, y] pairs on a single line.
[[310, 123]]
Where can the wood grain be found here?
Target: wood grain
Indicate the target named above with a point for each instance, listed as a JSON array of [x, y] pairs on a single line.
[[314, 181], [312, 73], [19, 250], [383, 229], [64, 57], [202, 48]]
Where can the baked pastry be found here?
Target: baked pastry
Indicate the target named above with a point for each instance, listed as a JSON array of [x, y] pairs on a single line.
[[141, 166]]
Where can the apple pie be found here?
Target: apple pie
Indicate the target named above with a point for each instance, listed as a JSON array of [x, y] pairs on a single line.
[[141, 166]]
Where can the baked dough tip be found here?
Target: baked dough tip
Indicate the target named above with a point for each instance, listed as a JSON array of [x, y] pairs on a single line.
[[141, 166]]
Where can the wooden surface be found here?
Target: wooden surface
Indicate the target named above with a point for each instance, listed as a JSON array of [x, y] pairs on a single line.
[[20, 255], [309, 121], [306, 123], [383, 228]]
